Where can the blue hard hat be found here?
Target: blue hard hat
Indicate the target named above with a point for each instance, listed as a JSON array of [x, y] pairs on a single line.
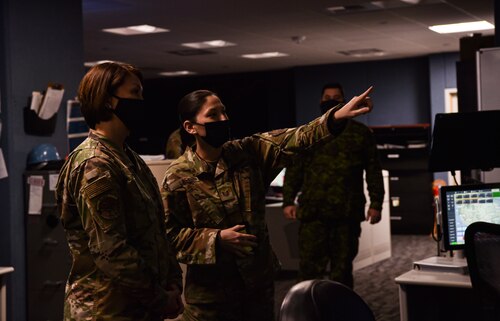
[[41, 155]]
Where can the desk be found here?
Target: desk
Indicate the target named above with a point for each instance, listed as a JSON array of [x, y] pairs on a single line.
[[439, 296], [3, 291]]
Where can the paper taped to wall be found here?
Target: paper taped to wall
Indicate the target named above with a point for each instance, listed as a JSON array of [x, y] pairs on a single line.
[[3, 166]]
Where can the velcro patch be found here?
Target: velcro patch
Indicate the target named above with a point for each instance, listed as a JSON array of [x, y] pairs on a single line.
[[97, 187], [107, 207], [92, 174], [173, 186]]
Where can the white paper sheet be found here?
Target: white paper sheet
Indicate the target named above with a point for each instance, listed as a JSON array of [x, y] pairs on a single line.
[[36, 183], [36, 101], [53, 181], [3, 166], [51, 102]]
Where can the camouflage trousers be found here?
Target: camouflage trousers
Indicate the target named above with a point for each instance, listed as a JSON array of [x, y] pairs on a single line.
[[243, 306], [322, 242]]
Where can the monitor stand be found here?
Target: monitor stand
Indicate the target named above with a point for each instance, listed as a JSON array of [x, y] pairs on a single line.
[[442, 264], [459, 254]]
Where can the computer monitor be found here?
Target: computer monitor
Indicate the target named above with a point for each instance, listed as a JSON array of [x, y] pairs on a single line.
[[463, 205], [465, 141]]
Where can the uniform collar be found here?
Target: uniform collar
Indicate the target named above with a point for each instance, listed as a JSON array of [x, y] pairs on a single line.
[[200, 166], [122, 154]]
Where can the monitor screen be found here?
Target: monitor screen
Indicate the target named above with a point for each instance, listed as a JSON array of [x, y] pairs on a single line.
[[465, 204], [465, 141]]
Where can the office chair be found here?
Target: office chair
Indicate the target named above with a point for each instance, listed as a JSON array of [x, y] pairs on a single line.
[[323, 300], [482, 249]]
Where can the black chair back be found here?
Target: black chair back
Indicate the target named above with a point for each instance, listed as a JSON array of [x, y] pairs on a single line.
[[482, 249], [323, 300]]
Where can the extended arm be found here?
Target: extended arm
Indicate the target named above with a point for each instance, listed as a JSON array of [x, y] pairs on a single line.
[[276, 149]]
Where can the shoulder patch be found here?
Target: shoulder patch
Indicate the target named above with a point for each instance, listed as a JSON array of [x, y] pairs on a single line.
[[107, 207], [92, 174], [97, 187], [174, 185]]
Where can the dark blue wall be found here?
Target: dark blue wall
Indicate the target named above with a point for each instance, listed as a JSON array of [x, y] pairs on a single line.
[[41, 42], [401, 89]]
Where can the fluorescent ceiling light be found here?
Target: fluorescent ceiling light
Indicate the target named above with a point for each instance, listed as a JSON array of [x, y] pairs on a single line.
[[135, 30], [209, 44], [411, 1], [93, 63], [177, 73], [336, 9], [462, 27], [361, 53], [264, 55]]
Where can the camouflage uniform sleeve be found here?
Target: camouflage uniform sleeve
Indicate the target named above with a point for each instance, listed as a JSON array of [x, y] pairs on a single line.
[[193, 245], [277, 148], [294, 176], [97, 195], [374, 179], [174, 271]]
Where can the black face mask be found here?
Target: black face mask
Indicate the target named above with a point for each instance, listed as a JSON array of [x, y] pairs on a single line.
[[327, 104], [217, 133], [131, 112]]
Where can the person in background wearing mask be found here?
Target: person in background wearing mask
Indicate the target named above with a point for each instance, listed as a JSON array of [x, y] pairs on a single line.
[[332, 202], [214, 197], [123, 266]]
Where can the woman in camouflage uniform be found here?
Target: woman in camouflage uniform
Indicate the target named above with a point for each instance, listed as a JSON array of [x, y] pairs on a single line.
[[123, 266], [214, 197]]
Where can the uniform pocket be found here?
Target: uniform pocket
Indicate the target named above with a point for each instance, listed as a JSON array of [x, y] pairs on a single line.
[[206, 207]]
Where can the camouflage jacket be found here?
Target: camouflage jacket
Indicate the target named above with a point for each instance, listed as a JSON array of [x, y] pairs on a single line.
[[200, 201], [112, 214], [331, 177]]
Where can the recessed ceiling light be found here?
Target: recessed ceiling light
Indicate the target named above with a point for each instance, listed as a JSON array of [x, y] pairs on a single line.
[[209, 44], [177, 73], [93, 63], [360, 53], [264, 55], [346, 8], [135, 30], [462, 27], [192, 52], [411, 1]]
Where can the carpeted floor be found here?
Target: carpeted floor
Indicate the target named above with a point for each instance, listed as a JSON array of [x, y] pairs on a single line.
[[375, 283]]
